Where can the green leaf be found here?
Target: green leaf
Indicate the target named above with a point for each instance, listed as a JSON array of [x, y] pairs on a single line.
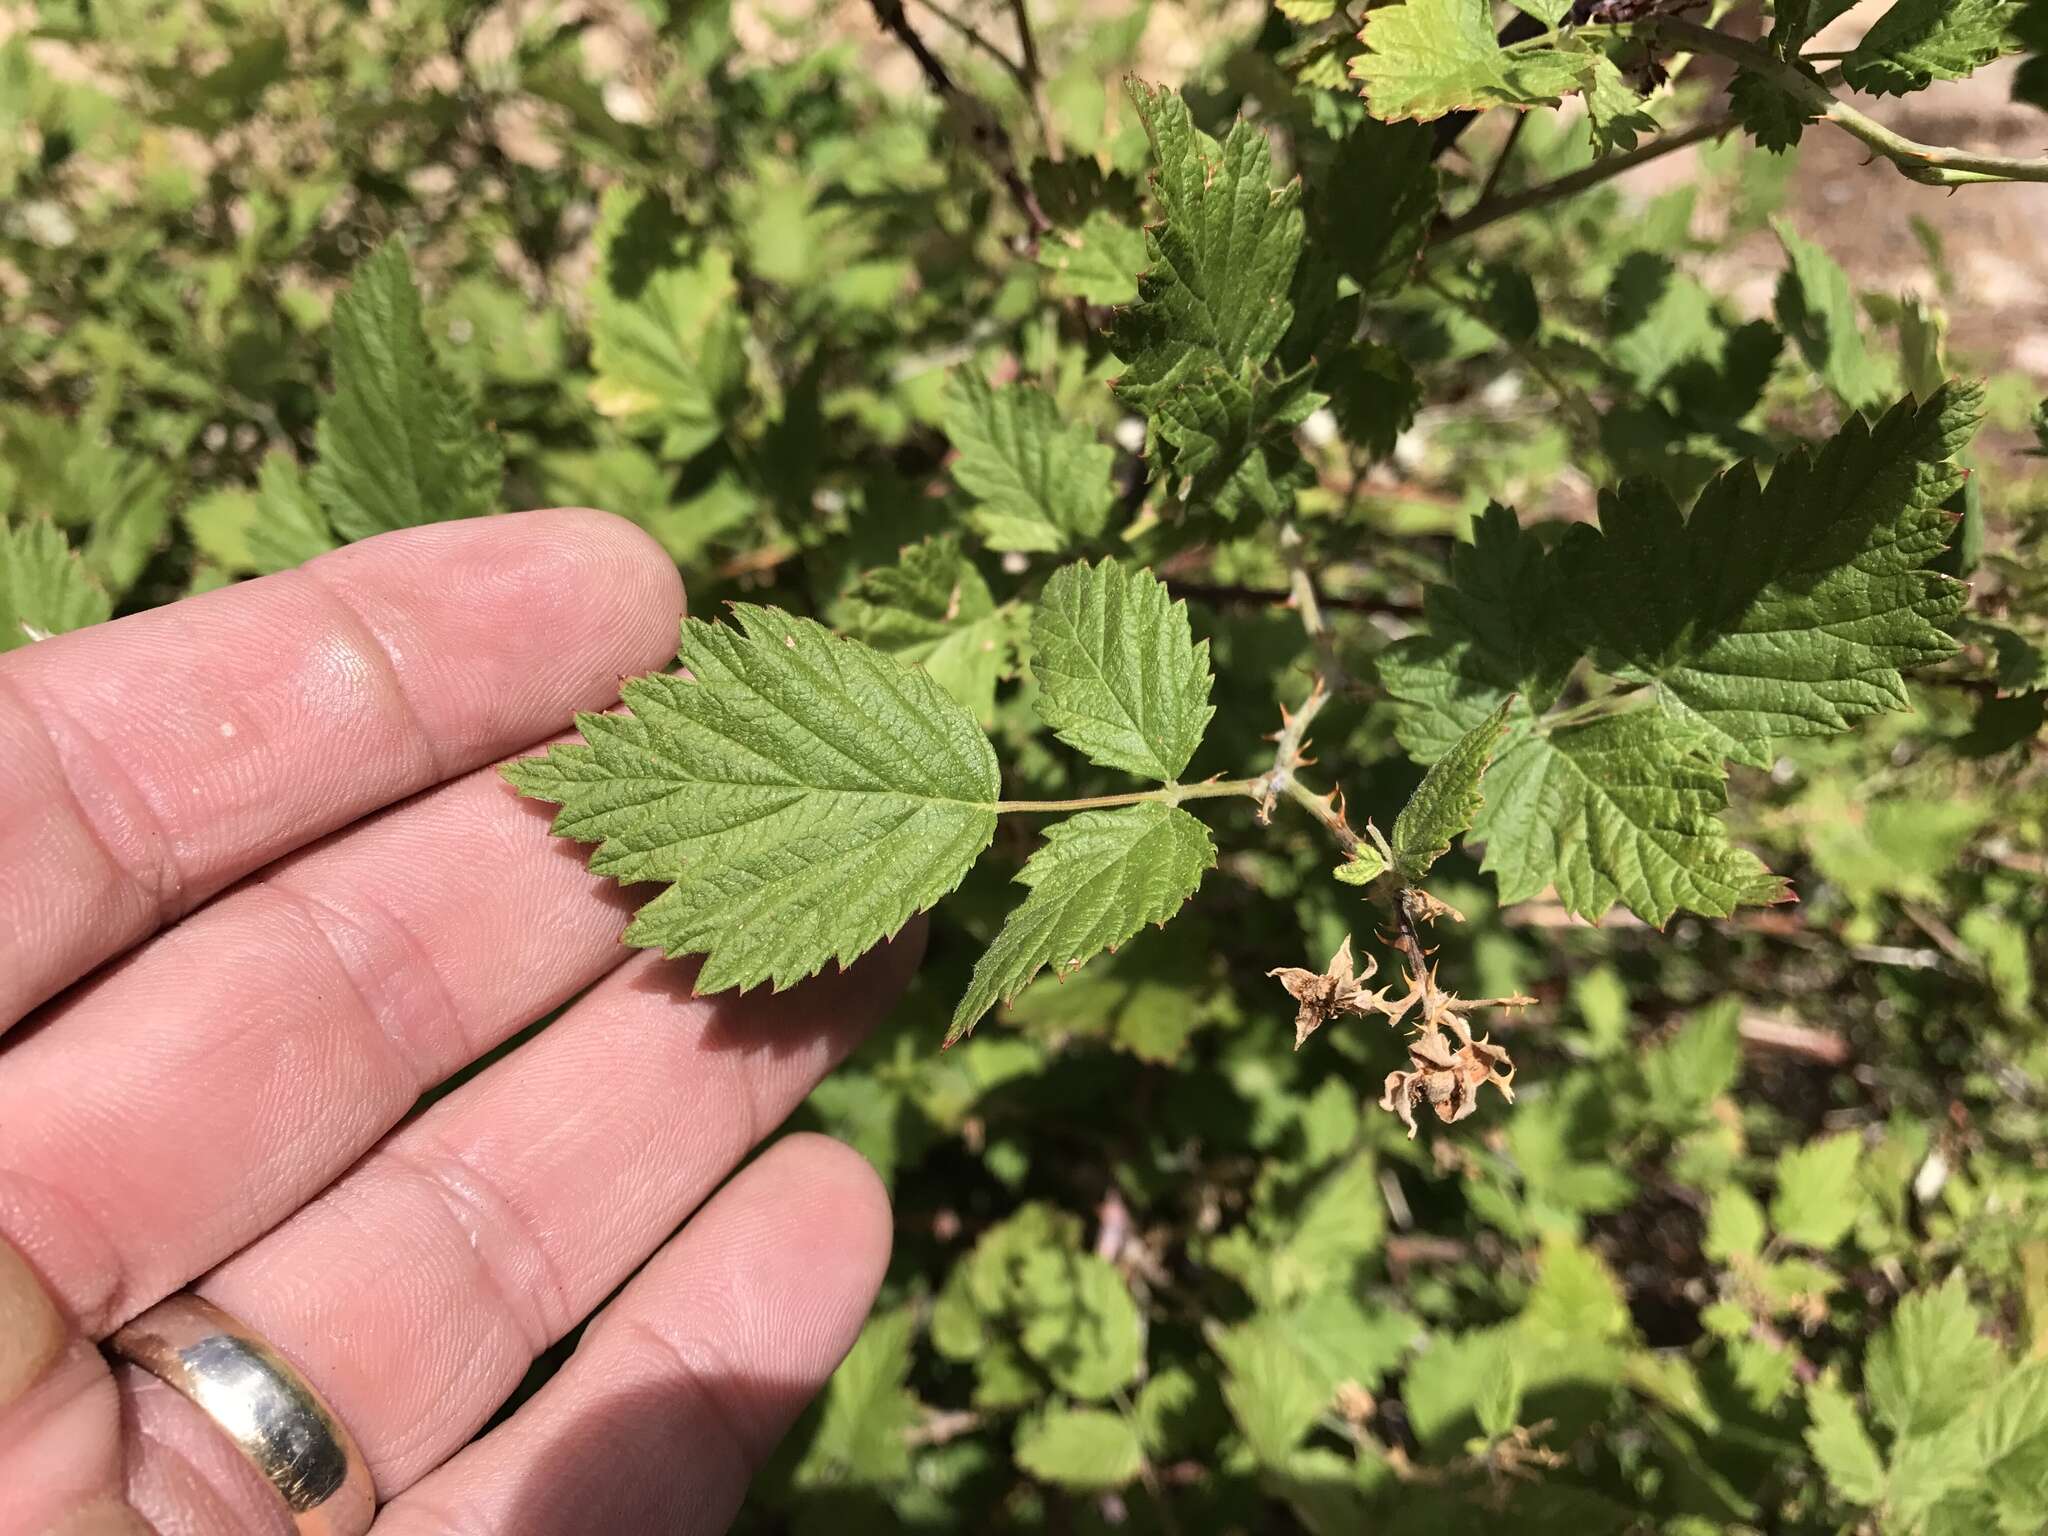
[[1213, 305], [1272, 1389], [128, 528], [1365, 865], [275, 527], [1767, 113], [1374, 395], [1447, 799], [1842, 1446], [1496, 627], [1786, 609], [1080, 1323], [1620, 809], [400, 443], [1120, 678], [1816, 1202], [1683, 1076], [1042, 483], [1424, 58], [1931, 1361], [1342, 1222], [671, 358], [1817, 309], [1373, 206], [1097, 263], [932, 609], [1918, 42], [1099, 877], [1087, 1449], [1615, 110], [802, 795], [867, 1409], [44, 588], [1735, 1226]]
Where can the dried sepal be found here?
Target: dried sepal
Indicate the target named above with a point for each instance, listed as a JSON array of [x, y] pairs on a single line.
[[1447, 1079], [1321, 996]]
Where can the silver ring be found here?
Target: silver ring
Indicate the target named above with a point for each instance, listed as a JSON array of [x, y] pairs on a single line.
[[274, 1415]]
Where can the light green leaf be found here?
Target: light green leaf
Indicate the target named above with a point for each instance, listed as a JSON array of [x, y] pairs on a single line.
[[1931, 1361], [1447, 799], [1735, 1226], [1424, 58], [1683, 1076], [1098, 879], [1918, 42], [1097, 263], [1042, 483], [1816, 1202], [276, 527], [1615, 110], [866, 1410], [44, 587], [932, 609], [1817, 309], [1842, 1446], [672, 358], [1080, 1323], [1365, 865], [128, 527], [1086, 1449], [802, 795], [1120, 677], [1625, 809], [1342, 1222], [400, 443], [1272, 1389]]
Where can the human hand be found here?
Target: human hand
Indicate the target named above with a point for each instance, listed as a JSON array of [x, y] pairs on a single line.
[[261, 888]]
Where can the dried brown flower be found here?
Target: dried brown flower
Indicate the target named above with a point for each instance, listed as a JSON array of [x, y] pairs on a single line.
[[1448, 1080], [1321, 996]]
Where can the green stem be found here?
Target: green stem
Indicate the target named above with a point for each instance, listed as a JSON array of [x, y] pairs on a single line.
[[1320, 808], [1171, 794], [1932, 164]]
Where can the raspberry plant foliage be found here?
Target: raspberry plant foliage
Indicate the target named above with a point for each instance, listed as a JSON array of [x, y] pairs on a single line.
[[1278, 487]]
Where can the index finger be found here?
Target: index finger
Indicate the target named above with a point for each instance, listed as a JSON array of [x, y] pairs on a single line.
[[156, 759]]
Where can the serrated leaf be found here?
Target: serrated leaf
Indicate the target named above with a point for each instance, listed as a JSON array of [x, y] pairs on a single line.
[[1918, 42], [1495, 627], [1374, 395], [1682, 1076], [867, 1409], [933, 610], [1931, 1361], [275, 527], [1787, 609], [399, 439], [1424, 58], [801, 795], [1086, 1449], [44, 587], [1042, 483], [1273, 1391], [671, 358], [1222, 259], [1120, 677], [1375, 203], [1842, 1446], [1620, 809], [1447, 799], [1815, 1203], [1213, 304], [1817, 309], [1080, 1323], [1735, 1227], [1615, 109], [1098, 262], [1098, 879], [1768, 114]]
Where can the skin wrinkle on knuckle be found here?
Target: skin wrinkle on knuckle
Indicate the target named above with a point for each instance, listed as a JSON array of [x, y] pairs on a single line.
[[383, 660]]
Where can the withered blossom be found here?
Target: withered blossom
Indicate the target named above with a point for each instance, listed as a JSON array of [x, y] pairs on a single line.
[[1321, 996]]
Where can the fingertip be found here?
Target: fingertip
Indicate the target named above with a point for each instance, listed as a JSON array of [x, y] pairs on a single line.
[[599, 558], [840, 1211]]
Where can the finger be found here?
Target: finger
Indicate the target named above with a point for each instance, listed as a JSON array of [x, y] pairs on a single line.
[[418, 1290], [59, 1418], [207, 1086], [154, 760], [684, 1385]]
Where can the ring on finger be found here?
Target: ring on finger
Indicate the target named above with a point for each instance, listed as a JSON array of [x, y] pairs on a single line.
[[276, 1417]]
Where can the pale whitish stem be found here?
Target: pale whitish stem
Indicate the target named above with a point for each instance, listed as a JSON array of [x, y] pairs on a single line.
[[1933, 164]]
